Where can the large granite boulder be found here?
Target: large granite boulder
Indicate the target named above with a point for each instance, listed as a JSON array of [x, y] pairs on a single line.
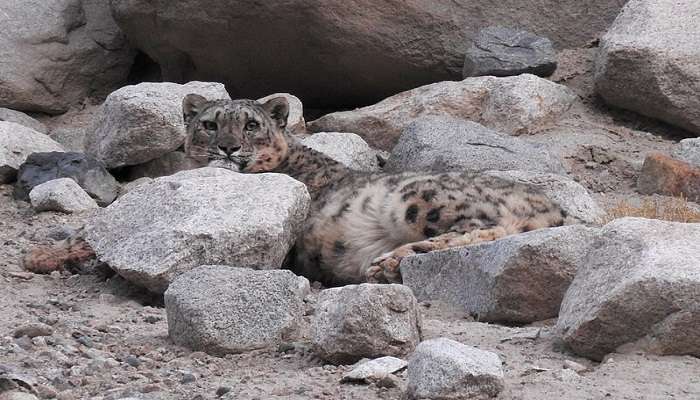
[[638, 288], [56, 53], [449, 144], [518, 279], [514, 105], [329, 54], [649, 61], [501, 51], [221, 309], [17, 142], [162, 229], [85, 170], [142, 122]]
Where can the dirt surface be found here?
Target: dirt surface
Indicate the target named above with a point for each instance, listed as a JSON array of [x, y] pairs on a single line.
[[109, 340]]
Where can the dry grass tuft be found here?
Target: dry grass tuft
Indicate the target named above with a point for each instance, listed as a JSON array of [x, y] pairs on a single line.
[[667, 209]]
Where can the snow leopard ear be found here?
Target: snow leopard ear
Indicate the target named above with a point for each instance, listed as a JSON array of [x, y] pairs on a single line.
[[192, 104], [278, 109]]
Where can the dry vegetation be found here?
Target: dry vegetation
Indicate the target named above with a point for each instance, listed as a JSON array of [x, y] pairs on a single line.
[[666, 208]]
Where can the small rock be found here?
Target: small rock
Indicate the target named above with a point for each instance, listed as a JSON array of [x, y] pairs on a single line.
[[501, 51], [17, 142], [639, 287], [664, 175], [16, 395], [366, 320], [520, 278], [374, 370], [133, 361], [447, 144], [85, 170], [222, 390], [221, 309], [62, 195], [442, 369], [347, 148], [33, 330], [187, 377], [574, 366]]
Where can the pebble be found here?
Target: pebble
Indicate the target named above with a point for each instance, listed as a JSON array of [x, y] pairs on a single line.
[[187, 378], [222, 390], [133, 361], [33, 330], [574, 366]]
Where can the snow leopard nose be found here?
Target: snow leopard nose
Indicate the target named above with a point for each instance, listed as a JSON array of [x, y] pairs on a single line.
[[229, 149]]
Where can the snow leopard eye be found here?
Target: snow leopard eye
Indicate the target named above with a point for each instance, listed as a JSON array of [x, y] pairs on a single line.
[[252, 125], [209, 125]]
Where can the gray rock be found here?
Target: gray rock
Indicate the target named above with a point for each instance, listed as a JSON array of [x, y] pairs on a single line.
[[501, 51], [142, 122], [365, 321], [222, 309], [346, 148], [17, 395], [515, 105], [17, 142], [688, 150], [62, 195], [638, 287], [295, 120], [328, 53], [164, 165], [85, 170], [374, 370], [443, 369], [127, 187], [57, 53], [447, 144], [571, 196], [21, 118], [160, 230], [520, 278], [649, 61], [33, 330]]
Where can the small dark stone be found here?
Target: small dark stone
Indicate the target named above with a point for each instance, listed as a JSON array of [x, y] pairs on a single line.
[[133, 361], [501, 51], [86, 171], [222, 390], [187, 378]]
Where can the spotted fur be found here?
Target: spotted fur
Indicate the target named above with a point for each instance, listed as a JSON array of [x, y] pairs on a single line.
[[361, 225]]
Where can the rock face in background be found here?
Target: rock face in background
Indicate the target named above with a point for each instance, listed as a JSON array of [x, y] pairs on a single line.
[[17, 142], [501, 51], [514, 105], [367, 320], [160, 230], [55, 53], [640, 284], [221, 309], [649, 61], [326, 52], [142, 122], [346, 148], [448, 144], [62, 195], [520, 278], [85, 170], [444, 369], [665, 175]]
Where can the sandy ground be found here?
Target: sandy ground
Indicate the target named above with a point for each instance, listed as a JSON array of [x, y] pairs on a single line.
[[109, 339]]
